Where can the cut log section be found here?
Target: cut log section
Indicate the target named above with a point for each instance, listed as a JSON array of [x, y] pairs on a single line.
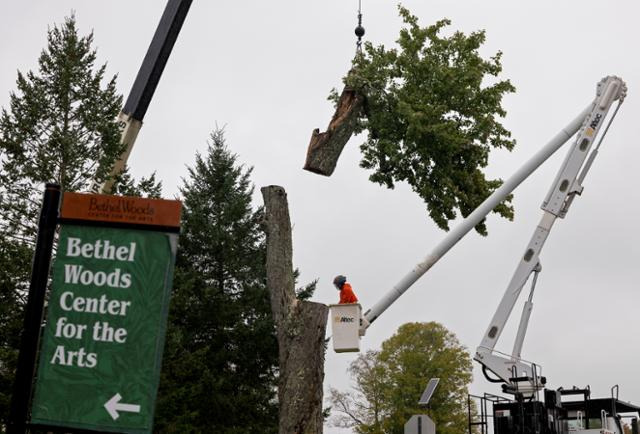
[[325, 148]]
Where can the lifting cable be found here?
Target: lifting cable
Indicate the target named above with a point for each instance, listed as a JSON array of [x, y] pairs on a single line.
[[359, 29], [606, 130], [592, 156]]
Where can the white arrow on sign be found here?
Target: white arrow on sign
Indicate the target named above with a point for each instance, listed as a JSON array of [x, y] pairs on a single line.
[[113, 406]]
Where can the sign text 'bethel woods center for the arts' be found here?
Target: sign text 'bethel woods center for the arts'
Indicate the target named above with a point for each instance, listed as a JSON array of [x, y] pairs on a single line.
[[101, 351], [76, 274]]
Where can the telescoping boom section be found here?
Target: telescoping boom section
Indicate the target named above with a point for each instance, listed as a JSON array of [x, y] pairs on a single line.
[[588, 123], [519, 376]]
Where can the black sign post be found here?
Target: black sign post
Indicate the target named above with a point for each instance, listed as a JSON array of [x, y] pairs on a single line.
[[19, 411]]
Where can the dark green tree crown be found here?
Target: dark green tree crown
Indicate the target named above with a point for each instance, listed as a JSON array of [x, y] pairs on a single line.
[[62, 121], [219, 370], [60, 127]]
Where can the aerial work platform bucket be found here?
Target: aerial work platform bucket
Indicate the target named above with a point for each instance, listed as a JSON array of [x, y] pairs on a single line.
[[345, 327]]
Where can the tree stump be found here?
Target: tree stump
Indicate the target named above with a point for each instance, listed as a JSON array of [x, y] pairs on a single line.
[[300, 326], [325, 148]]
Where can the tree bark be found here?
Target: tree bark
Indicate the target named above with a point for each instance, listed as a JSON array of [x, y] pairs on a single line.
[[325, 148], [300, 326]]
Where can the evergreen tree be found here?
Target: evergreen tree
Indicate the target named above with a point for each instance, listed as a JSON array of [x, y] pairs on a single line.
[[125, 185], [221, 354], [15, 267], [60, 127]]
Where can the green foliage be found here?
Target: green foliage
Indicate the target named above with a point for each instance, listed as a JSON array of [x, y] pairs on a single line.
[[60, 127], [219, 370], [304, 292], [388, 383], [125, 185], [432, 115], [15, 264]]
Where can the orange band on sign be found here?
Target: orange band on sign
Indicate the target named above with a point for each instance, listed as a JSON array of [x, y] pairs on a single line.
[[121, 209]]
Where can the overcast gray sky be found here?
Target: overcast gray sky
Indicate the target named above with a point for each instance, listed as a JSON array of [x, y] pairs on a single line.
[[264, 70]]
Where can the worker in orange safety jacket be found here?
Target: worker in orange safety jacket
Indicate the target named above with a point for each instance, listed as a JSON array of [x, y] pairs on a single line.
[[346, 293]]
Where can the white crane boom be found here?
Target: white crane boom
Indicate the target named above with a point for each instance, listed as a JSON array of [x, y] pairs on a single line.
[[567, 184]]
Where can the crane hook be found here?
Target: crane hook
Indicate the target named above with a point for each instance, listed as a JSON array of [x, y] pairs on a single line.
[[359, 29]]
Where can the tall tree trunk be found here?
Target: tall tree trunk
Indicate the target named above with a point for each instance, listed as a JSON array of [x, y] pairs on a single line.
[[300, 326]]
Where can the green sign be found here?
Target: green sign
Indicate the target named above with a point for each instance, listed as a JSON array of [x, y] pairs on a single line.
[[104, 333]]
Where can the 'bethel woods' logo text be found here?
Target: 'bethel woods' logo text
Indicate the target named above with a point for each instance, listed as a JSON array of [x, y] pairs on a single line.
[[123, 206], [344, 319]]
